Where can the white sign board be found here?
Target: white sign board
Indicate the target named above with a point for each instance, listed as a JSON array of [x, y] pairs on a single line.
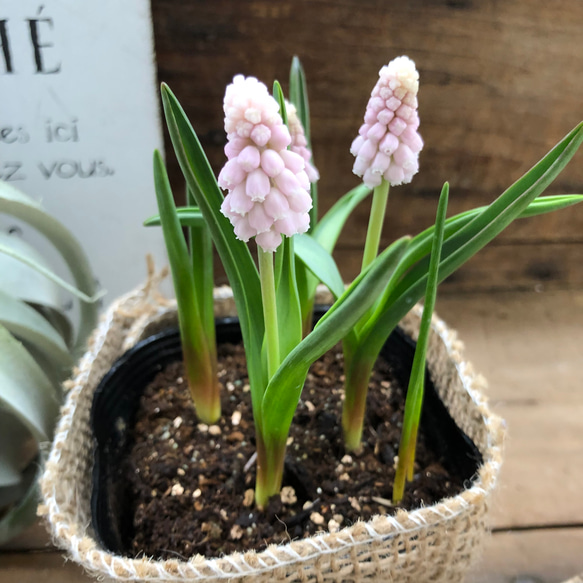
[[79, 121]]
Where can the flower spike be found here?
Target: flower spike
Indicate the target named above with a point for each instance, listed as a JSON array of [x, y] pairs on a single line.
[[388, 143], [267, 183]]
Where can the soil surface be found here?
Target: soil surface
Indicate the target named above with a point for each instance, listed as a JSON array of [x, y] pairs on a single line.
[[192, 485]]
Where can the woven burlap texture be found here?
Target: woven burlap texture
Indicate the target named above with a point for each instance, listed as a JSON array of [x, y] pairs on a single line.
[[436, 543]]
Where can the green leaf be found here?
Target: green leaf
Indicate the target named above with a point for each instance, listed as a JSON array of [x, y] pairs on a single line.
[[284, 389], [549, 204], [6, 250], [24, 208], [180, 266], [320, 263], [24, 283], [201, 257], [235, 256], [26, 391], [27, 324], [21, 281], [278, 96], [414, 401], [189, 216]]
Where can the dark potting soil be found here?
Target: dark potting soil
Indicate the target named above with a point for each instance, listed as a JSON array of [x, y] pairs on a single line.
[[192, 485]]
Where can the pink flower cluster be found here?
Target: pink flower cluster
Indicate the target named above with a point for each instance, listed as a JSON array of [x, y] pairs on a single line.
[[267, 183], [388, 143]]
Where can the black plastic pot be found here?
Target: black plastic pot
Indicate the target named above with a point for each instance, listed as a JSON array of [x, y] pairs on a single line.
[[117, 397]]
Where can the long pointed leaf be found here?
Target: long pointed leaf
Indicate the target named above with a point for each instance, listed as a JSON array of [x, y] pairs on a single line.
[[235, 255], [49, 275], [201, 258], [26, 391], [414, 400], [24, 208]]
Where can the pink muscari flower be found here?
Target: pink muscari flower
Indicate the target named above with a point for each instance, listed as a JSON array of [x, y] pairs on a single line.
[[267, 183], [388, 143], [299, 144]]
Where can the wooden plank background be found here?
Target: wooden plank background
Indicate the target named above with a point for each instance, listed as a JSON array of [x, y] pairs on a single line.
[[501, 83]]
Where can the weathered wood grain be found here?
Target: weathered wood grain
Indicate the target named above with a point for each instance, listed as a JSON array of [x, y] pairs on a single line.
[[501, 82]]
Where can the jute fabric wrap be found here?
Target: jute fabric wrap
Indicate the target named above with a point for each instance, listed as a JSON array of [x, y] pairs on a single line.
[[432, 544]]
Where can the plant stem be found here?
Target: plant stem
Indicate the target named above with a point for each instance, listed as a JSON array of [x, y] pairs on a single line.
[[354, 407], [266, 275], [375, 223], [270, 462]]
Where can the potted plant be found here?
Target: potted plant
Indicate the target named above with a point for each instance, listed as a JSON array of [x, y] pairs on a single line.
[[37, 350], [267, 179]]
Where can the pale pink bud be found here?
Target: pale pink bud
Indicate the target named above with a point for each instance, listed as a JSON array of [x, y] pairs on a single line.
[[239, 202], [234, 146], [259, 219], [388, 144], [360, 166], [356, 145], [257, 186], [292, 160], [287, 226], [404, 157], [303, 179], [397, 126], [280, 137], [368, 150], [276, 204], [261, 134], [249, 158], [395, 174], [243, 229], [231, 174], [268, 240], [272, 162], [300, 202], [371, 178], [377, 132], [380, 163], [287, 182]]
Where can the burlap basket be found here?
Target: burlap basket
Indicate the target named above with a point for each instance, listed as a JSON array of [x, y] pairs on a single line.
[[436, 543]]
